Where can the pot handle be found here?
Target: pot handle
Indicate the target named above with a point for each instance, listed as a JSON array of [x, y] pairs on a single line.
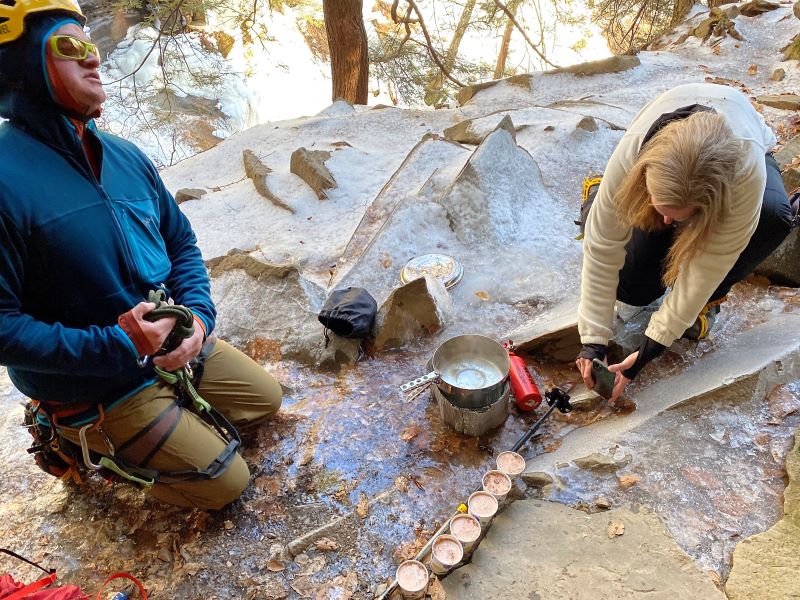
[[422, 382]]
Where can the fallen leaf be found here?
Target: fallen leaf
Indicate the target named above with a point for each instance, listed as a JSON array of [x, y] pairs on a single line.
[[326, 545], [482, 295], [386, 263], [304, 587], [628, 481], [752, 69], [615, 528], [716, 50], [193, 568], [401, 484], [704, 68], [362, 509], [436, 590], [715, 578], [228, 525], [410, 432], [341, 588], [275, 566]]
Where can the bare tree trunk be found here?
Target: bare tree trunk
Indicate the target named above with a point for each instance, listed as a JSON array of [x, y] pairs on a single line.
[[433, 93], [347, 41], [680, 9], [500, 67]]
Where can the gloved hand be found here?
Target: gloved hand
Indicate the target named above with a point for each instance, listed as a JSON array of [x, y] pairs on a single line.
[[180, 356], [147, 337]]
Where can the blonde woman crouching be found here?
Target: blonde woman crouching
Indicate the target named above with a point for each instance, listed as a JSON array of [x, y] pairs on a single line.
[[690, 203]]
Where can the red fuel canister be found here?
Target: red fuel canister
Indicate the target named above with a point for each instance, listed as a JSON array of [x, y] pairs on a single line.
[[522, 384]]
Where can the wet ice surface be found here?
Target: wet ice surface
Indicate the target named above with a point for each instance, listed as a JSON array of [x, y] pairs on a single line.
[[714, 473]]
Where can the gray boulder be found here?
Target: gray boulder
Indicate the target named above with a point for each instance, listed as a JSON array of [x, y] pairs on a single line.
[[270, 311], [419, 308]]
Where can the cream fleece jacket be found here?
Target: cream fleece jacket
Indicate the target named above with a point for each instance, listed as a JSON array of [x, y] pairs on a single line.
[[605, 239]]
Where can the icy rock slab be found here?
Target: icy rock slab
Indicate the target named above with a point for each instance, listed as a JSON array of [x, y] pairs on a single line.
[[765, 566], [466, 93], [419, 308], [428, 156], [487, 201], [543, 550], [261, 304], [554, 333], [752, 362]]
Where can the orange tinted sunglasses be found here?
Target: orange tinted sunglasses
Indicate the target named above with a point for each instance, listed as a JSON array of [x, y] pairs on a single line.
[[71, 48]]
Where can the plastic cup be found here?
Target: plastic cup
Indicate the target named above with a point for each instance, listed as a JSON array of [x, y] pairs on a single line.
[[467, 529], [483, 506], [412, 579], [446, 553], [498, 484], [510, 463]]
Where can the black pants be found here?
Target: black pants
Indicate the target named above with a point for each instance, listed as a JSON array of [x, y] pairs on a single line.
[[640, 279]]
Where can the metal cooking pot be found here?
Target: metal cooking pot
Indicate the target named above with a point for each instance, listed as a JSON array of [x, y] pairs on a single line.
[[470, 370]]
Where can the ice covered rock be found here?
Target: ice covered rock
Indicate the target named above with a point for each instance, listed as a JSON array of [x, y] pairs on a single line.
[[419, 308], [487, 201], [466, 93]]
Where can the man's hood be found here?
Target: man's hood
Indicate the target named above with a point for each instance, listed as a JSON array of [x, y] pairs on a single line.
[[26, 98]]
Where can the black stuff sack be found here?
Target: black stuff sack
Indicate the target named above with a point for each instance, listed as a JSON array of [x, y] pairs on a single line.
[[349, 312]]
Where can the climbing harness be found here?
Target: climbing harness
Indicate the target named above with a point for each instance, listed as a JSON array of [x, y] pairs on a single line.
[[129, 461]]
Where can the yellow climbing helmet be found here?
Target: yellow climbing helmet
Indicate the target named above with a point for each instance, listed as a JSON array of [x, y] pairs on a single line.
[[13, 13]]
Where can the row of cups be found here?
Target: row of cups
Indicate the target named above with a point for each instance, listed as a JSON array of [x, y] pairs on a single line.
[[465, 529]]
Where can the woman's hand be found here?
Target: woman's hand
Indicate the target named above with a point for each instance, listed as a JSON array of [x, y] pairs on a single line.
[[620, 381], [585, 369]]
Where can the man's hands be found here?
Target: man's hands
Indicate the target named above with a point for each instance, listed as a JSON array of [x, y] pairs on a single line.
[[620, 381], [147, 337], [189, 348]]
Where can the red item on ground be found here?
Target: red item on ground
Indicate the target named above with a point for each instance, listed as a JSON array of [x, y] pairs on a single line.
[[523, 386], [14, 590]]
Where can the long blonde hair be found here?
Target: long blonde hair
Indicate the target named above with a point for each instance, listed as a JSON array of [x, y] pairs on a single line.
[[689, 163]]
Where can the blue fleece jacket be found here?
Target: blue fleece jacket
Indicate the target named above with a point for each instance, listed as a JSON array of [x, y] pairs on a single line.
[[77, 250]]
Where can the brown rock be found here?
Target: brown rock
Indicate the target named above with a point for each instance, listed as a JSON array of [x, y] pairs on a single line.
[[256, 170], [779, 74], [757, 7], [417, 309], [614, 64], [466, 93], [783, 101], [587, 123], [792, 50], [184, 194], [796, 9], [537, 479], [601, 462], [309, 165], [462, 133]]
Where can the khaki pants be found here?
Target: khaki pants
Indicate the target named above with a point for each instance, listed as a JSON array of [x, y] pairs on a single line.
[[233, 384]]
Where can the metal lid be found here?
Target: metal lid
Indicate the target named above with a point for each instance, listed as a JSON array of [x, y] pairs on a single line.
[[439, 266]]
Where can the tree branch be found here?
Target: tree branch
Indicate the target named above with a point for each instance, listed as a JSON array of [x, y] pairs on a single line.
[[434, 54], [513, 19]]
